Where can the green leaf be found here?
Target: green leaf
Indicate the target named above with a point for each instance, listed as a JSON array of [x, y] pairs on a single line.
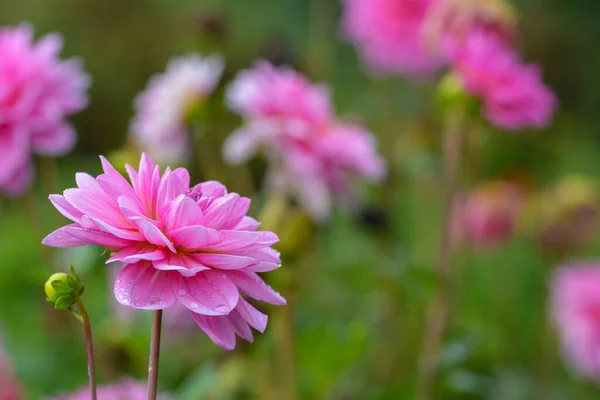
[[73, 284], [61, 287], [64, 302]]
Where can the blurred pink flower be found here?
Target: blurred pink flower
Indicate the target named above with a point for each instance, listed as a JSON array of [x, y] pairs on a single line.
[[10, 388], [37, 92], [487, 216], [513, 94], [124, 389], [311, 154], [159, 126], [576, 311], [389, 35], [195, 246]]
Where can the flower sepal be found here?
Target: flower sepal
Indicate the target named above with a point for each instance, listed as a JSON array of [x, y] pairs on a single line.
[[62, 290]]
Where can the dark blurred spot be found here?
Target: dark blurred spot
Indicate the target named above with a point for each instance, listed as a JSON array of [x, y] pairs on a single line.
[[374, 219], [211, 25], [278, 51]]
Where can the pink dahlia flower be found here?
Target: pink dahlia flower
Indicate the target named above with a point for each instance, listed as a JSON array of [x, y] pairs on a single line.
[[312, 155], [194, 246], [10, 388], [37, 92], [576, 311], [124, 389], [513, 94], [160, 126], [389, 35], [488, 215]]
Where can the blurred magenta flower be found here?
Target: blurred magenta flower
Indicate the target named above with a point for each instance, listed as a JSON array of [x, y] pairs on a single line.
[[312, 155], [162, 110], [10, 389], [195, 246], [488, 215], [37, 92], [124, 389], [576, 311], [513, 94], [389, 35]]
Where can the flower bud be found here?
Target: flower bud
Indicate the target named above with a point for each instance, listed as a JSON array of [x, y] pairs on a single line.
[[63, 289]]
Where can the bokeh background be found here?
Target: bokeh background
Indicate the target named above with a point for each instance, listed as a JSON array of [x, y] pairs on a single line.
[[360, 285]]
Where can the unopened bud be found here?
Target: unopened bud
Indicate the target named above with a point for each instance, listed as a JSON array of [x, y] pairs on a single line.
[[63, 289]]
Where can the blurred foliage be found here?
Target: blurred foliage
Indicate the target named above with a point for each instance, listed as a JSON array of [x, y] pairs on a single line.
[[361, 288]]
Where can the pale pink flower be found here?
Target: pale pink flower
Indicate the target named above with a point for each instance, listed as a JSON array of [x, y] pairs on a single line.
[[37, 92], [312, 155], [389, 35], [488, 215], [10, 389], [124, 389], [513, 94], [576, 311], [159, 126], [194, 246]]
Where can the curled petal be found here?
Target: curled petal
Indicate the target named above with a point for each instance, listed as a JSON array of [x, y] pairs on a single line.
[[152, 233], [253, 286], [137, 252], [219, 329], [65, 208], [225, 261], [195, 237], [185, 264], [251, 315]]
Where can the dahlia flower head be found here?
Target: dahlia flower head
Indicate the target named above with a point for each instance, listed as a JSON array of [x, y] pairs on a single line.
[[189, 245], [160, 123], [312, 155], [389, 35], [124, 389], [37, 92], [488, 215], [513, 94], [576, 312]]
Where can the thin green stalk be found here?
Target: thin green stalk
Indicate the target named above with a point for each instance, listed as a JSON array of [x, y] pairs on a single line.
[[437, 318], [89, 346], [154, 355]]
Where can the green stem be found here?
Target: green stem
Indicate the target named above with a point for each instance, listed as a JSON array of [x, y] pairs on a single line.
[[89, 346], [437, 318], [154, 355]]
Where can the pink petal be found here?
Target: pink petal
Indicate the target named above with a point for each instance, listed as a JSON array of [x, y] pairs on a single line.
[[262, 266], [152, 233], [131, 208], [219, 330], [144, 287], [247, 224], [103, 226], [137, 252], [95, 205], [212, 189], [251, 315], [240, 326], [227, 211], [181, 212], [208, 293], [65, 208], [184, 263], [96, 237], [225, 261], [195, 237], [253, 286], [184, 176], [244, 240], [170, 187], [54, 141], [62, 238]]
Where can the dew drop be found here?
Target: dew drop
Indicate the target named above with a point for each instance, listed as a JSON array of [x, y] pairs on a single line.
[[224, 276], [221, 309], [194, 305], [181, 291]]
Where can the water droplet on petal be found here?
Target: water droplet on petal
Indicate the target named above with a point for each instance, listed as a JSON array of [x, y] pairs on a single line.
[[221, 309], [224, 276], [181, 291], [194, 305]]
